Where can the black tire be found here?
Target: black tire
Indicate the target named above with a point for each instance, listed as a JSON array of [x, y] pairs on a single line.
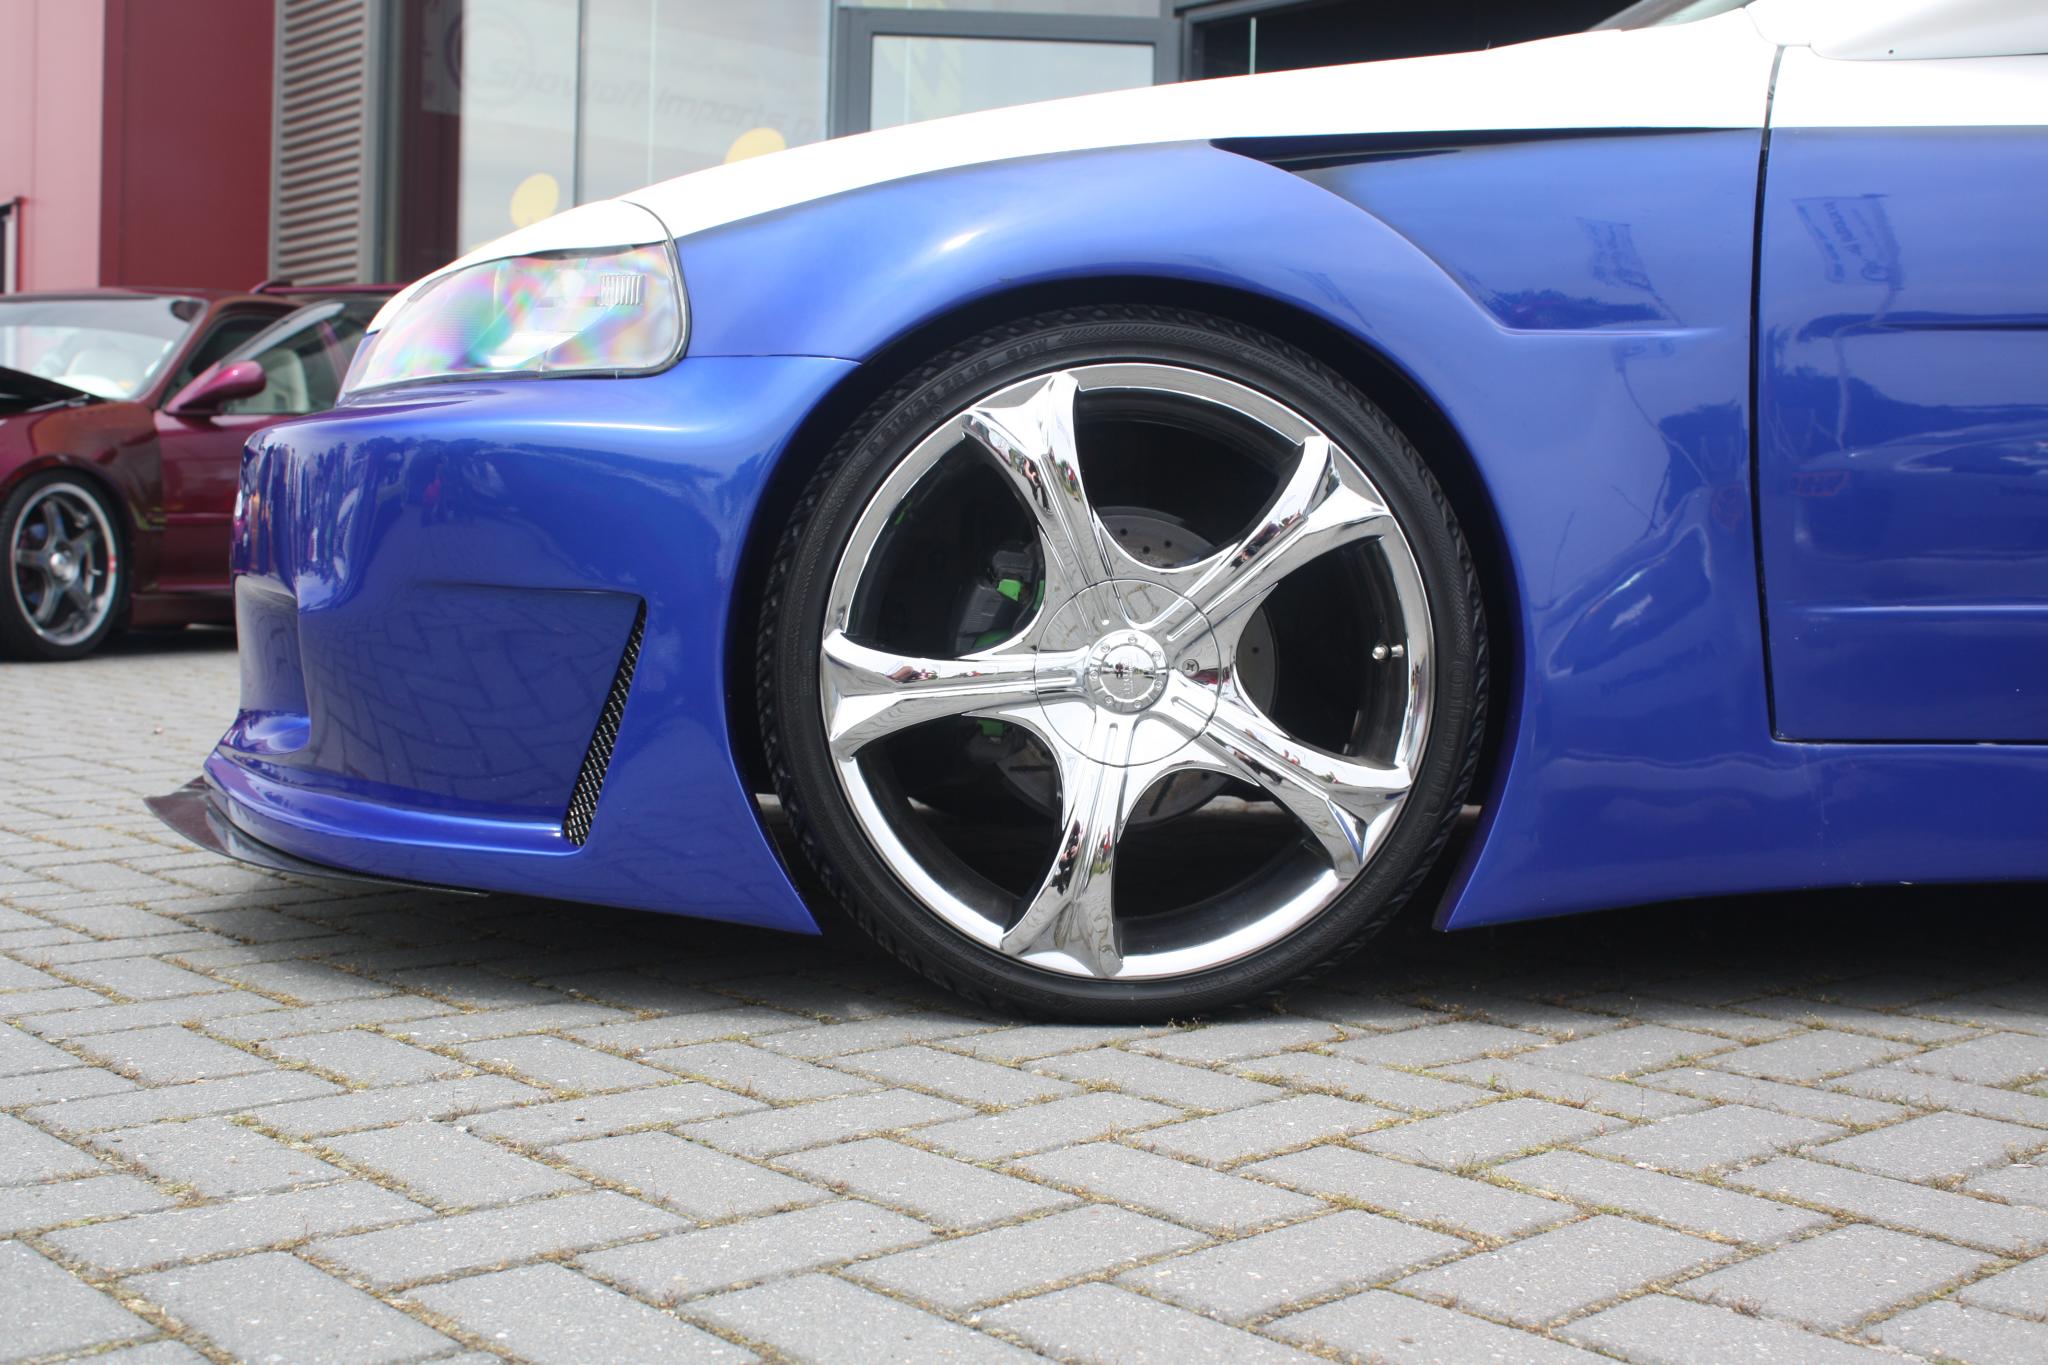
[[792, 620], [19, 638]]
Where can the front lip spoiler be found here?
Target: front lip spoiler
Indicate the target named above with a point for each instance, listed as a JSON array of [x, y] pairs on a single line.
[[194, 811]]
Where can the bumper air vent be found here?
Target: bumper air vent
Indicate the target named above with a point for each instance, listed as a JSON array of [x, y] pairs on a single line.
[[598, 757]]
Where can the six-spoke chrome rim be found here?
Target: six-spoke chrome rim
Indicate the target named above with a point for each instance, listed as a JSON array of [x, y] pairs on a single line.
[[64, 556], [1127, 673]]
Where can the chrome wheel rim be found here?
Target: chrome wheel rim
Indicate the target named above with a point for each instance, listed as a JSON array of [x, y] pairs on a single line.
[[64, 557], [1128, 673]]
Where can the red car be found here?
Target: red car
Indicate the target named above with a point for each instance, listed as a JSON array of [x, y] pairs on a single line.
[[122, 418]]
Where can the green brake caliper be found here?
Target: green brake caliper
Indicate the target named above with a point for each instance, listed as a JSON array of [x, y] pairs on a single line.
[[1013, 589]]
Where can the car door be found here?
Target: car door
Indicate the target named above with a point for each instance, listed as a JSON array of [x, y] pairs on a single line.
[[202, 461], [1902, 444]]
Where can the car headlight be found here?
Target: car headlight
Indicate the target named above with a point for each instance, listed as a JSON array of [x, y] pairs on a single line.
[[612, 310]]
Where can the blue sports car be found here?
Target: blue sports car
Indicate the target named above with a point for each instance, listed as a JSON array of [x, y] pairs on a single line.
[[1125, 535]]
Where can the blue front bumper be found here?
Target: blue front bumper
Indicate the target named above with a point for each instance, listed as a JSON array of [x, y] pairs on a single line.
[[435, 596]]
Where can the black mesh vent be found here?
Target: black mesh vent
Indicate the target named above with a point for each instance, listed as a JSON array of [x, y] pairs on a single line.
[[598, 757]]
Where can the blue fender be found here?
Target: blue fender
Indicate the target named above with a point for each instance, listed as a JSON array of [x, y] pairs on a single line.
[[1579, 310]]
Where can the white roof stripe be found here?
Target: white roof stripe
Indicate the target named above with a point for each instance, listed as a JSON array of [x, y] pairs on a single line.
[[1711, 74]]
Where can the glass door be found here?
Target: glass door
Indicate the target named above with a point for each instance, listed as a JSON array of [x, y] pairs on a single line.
[[895, 66]]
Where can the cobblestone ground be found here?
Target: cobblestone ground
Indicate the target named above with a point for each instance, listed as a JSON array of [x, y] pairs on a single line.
[[244, 1117]]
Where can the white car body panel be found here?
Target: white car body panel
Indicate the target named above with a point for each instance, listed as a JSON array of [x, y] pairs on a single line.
[[1905, 30], [1713, 74], [1944, 92]]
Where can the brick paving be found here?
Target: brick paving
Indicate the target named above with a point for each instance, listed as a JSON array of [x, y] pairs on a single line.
[[248, 1117]]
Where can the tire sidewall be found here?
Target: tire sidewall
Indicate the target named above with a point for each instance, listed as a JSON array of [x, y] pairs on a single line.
[[18, 639], [842, 489]]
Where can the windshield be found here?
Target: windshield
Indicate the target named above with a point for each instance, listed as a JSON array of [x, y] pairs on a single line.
[[1650, 13], [113, 348]]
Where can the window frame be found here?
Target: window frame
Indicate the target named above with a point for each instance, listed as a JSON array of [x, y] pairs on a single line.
[[854, 29], [10, 245], [1196, 17]]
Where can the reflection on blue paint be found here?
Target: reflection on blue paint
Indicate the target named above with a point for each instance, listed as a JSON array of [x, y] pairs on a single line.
[[1904, 431], [433, 597]]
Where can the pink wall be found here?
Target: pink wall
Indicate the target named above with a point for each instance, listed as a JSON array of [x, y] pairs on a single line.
[[51, 71], [140, 140]]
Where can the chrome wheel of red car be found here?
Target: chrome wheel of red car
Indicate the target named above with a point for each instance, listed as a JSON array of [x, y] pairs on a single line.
[[1122, 687], [65, 570]]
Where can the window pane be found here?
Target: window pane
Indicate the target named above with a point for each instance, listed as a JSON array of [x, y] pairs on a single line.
[[303, 358], [231, 332], [672, 86], [518, 98], [1125, 9], [921, 78]]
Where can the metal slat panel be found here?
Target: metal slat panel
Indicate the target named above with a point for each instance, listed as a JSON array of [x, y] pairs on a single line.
[[322, 167], [317, 62]]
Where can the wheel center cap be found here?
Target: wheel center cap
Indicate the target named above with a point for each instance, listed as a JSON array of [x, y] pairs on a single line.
[[63, 567], [1125, 672], [1127, 707]]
